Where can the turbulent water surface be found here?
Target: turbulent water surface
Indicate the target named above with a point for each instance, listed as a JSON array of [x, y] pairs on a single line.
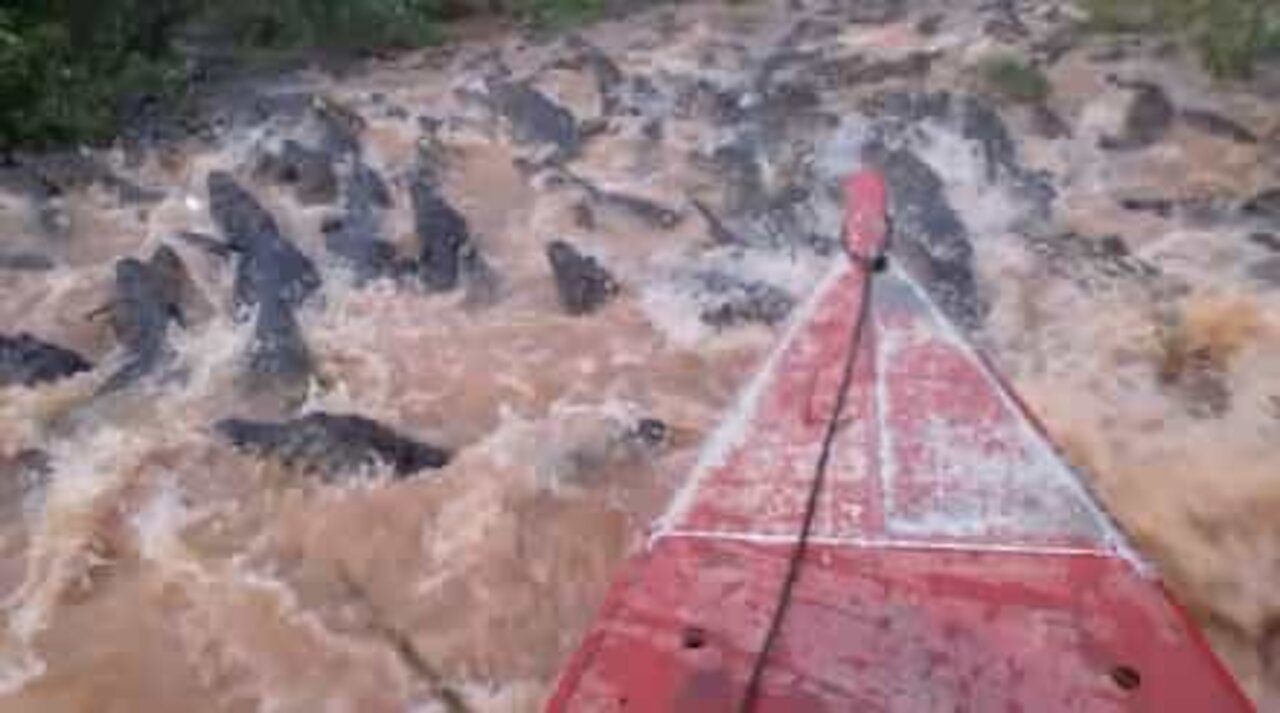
[[353, 395]]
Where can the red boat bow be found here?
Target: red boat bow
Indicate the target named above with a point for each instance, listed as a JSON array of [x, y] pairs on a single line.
[[950, 561]]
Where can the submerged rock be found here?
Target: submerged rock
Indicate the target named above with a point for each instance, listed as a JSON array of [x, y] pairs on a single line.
[[25, 262], [1091, 261], [928, 234], [649, 212], [582, 283], [1148, 119], [309, 172], [609, 79], [1218, 125], [333, 445], [1265, 205], [851, 71], [24, 472], [720, 233], [27, 361], [444, 235], [1048, 124], [872, 12], [731, 301], [1266, 271]]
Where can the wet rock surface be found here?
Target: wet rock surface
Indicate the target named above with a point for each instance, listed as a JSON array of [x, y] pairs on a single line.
[[147, 299], [308, 172], [272, 278], [733, 302], [582, 283], [356, 236], [444, 237], [532, 117], [1147, 120], [28, 361], [1216, 124], [928, 235], [333, 444], [269, 268], [1265, 205]]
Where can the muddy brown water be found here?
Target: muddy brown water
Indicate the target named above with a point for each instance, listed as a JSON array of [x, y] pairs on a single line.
[[157, 569]]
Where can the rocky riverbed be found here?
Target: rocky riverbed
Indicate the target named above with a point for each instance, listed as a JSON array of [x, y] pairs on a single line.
[[353, 390]]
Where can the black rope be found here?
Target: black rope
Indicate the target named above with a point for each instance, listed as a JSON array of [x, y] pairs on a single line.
[[869, 265]]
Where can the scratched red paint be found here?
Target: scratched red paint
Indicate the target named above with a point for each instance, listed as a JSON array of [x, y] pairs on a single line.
[[957, 564]]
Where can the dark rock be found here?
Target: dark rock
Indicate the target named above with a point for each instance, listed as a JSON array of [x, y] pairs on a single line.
[[60, 172], [738, 167], [23, 473], [720, 233], [310, 173], [649, 432], [366, 187], [1204, 391], [1056, 45], [730, 301], [1047, 124], [1148, 119], [1162, 207], [355, 237], [1217, 125], [1270, 241], [582, 283], [1264, 205], [872, 12], [483, 283], [909, 107], [1007, 25], [980, 122], [272, 278], [1092, 261], [929, 236], [532, 117], [207, 242], [584, 217], [698, 98], [340, 127], [1201, 209], [279, 360], [609, 79], [27, 361], [144, 303], [1266, 271], [25, 262], [269, 267], [443, 233], [929, 25], [844, 72], [337, 446], [649, 212]]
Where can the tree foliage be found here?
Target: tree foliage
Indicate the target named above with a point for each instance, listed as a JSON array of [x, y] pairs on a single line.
[[1230, 35]]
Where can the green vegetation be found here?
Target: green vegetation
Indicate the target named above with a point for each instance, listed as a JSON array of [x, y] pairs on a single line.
[[69, 68], [558, 12], [1230, 35], [1014, 79]]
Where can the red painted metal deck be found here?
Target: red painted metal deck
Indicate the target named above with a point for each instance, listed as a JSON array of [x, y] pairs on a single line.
[[955, 562]]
